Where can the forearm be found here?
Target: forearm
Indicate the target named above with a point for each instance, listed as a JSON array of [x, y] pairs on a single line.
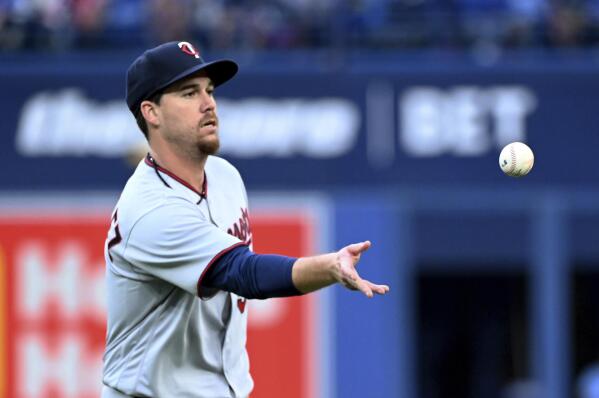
[[313, 273], [261, 276]]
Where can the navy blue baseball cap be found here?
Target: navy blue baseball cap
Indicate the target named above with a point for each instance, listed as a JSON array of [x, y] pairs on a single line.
[[161, 66]]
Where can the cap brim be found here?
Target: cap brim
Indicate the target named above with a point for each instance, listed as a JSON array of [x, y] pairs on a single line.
[[219, 72]]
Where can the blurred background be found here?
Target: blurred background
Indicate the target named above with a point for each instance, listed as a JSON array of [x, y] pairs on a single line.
[[349, 120]]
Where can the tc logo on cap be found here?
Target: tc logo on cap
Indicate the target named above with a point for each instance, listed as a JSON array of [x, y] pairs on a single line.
[[187, 48]]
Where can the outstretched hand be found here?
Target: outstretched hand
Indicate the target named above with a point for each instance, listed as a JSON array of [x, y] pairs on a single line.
[[346, 273]]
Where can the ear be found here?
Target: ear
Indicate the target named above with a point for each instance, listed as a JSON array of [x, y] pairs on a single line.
[[150, 111]]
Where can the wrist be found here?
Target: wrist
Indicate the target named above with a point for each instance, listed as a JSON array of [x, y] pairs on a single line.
[[332, 267], [313, 273]]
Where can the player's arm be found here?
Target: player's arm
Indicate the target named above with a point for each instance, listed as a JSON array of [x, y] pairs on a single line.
[[262, 276]]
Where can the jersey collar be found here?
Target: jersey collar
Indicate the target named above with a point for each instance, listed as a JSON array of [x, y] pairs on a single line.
[[149, 160]]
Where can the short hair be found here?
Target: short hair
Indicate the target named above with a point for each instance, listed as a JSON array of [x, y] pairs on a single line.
[[139, 117]]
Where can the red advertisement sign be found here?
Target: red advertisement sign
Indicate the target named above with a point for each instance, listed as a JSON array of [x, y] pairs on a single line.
[[281, 341], [54, 305], [52, 310]]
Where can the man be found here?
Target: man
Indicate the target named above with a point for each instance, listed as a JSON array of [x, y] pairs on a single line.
[[178, 264]]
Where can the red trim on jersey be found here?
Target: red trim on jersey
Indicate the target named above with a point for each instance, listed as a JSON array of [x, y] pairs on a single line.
[[214, 260], [149, 161], [241, 304]]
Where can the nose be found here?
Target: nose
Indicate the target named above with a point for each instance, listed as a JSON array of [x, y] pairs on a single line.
[[208, 103]]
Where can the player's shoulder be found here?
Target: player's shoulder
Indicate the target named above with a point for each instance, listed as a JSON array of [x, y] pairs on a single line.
[[145, 192], [222, 167]]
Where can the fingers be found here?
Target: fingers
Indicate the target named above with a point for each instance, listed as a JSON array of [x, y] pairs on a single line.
[[368, 288], [358, 284], [358, 248], [364, 287], [378, 289]]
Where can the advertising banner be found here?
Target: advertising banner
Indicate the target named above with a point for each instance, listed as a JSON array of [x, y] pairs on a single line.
[[381, 122]]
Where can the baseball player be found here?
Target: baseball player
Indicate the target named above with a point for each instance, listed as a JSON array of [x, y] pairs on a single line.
[[179, 265]]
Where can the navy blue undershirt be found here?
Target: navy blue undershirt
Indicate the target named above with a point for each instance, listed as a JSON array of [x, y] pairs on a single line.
[[252, 275]]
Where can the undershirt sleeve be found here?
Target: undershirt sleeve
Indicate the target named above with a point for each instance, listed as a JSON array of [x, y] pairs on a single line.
[[252, 275]]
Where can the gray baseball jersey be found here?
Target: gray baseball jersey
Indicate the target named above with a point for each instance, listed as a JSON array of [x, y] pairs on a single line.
[[167, 335]]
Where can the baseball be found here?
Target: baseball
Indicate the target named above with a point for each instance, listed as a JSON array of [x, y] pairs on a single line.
[[516, 159]]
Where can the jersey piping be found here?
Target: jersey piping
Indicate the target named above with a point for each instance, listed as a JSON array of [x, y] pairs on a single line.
[[213, 261], [149, 160]]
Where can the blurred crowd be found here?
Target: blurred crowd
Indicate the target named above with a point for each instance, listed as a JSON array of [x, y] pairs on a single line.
[[285, 24]]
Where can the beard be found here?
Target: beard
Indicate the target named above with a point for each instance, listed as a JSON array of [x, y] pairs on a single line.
[[194, 147], [209, 146]]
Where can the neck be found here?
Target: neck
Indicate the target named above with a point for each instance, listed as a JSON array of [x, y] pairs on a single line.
[[189, 169]]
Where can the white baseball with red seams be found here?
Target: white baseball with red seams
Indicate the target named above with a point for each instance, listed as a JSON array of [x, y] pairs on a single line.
[[516, 159]]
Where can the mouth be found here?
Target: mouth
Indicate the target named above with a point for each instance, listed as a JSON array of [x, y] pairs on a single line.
[[210, 123]]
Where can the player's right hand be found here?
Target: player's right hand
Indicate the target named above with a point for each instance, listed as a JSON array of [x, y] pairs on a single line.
[[346, 273]]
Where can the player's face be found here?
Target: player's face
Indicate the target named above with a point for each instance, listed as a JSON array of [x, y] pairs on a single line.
[[188, 117]]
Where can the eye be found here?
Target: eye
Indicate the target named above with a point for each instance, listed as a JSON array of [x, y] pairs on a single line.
[[210, 91], [190, 94]]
